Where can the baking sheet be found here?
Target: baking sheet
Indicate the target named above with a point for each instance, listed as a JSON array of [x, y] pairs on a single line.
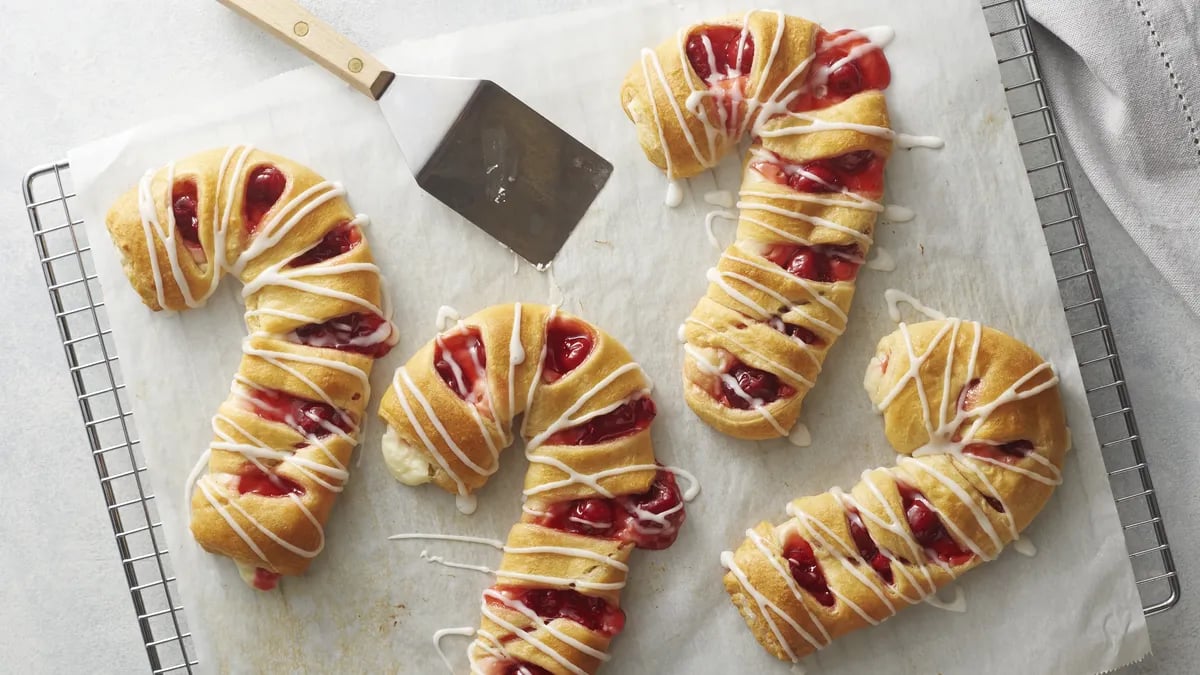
[[635, 268]]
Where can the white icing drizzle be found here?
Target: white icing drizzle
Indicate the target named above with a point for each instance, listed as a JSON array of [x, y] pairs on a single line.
[[882, 260], [1024, 546], [799, 436], [957, 605], [721, 198], [674, 194], [465, 631], [907, 141], [708, 225], [447, 317], [894, 213], [894, 297]]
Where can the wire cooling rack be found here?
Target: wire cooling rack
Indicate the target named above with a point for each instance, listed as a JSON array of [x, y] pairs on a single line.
[[107, 417]]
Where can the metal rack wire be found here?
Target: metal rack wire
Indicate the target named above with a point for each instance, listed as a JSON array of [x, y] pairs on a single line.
[[107, 416]]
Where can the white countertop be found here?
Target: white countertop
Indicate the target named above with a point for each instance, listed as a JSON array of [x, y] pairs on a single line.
[[72, 72]]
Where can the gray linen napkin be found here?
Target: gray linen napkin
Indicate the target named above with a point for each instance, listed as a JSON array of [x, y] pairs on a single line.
[[1124, 79]]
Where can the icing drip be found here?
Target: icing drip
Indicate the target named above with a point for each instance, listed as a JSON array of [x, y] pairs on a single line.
[[799, 436], [708, 225], [1024, 546], [721, 198], [958, 604], [894, 297], [447, 317], [897, 214], [882, 260], [465, 631], [674, 194]]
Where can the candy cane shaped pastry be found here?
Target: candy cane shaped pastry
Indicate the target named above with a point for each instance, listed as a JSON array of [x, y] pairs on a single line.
[[779, 296], [976, 417], [317, 315], [593, 491]]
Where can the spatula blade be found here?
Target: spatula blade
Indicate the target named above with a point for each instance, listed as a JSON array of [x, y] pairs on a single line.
[[501, 165]]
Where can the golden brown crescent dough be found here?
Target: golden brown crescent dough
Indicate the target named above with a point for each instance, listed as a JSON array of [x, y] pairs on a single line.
[[778, 299], [976, 417], [593, 491], [317, 316]]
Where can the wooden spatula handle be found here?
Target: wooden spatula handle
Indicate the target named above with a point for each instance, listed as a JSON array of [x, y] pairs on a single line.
[[296, 26]]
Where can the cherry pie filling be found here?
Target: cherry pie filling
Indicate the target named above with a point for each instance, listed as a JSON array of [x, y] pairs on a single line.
[[361, 332], [568, 344], [757, 387], [629, 418], [720, 52], [253, 479], [562, 603], [337, 241], [826, 264], [461, 361], [793, 331], [805, 569], [264, 187], [650, 520], [265, 580], [860, 172], [928, 530], [867, 548], [723, 56], [311, 418], [837, 73], [187, 222]]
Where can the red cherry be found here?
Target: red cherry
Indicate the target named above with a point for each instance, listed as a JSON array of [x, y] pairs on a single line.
[[808, 263], [853, 162], [561, 603], [264, 186], [726, 43], [338, 241], [629, 418], [815, 177], [568, 343], [183, 207], [802, 562], [841, 269], [754, 383], [994, 503], [868, 70], [846, 81], [927, 528], [793, 331], [867, 547], [304, 416], [360, 333], [592, 514], [465, 349], [253, 479], [265, 580], [663, 499], [744, 47], [1009, 453], [697, 55], [967, 395]]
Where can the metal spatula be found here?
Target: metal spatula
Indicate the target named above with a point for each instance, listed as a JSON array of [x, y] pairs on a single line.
[[469, 143]]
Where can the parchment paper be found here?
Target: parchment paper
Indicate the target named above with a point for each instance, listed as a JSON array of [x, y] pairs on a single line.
[[636, 268]]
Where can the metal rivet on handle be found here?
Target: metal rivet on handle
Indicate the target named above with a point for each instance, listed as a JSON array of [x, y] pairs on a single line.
[[301, 28], [355, 65]]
